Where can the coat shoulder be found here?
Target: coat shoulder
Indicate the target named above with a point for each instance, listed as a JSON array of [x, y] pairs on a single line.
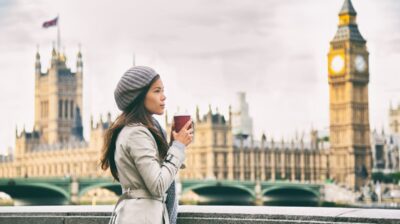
[[132, 132], [136, 130]]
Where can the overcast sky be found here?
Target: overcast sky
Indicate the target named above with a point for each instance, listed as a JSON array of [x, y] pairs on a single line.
[[205, 51]]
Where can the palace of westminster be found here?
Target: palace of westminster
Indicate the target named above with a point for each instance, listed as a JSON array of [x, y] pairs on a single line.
[[223, 148]]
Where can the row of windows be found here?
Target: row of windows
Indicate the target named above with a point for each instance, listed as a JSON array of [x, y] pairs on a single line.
[[340, 114], [340, 137], [339, 92], [279, 174], [359, 94], [58, 169], [220, 159], [307, 175], [220, 139], [65, 106], [287, 158]]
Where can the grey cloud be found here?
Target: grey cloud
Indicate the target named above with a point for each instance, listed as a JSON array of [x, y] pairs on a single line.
[[302, 56], [239, 19], [393, 45], [228, 53], [272, 49], [19, 25]]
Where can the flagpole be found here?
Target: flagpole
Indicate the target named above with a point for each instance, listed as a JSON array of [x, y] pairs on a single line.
[[58, 34]]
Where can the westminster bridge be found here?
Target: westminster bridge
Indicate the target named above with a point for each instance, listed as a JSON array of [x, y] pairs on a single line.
[[64, 191]]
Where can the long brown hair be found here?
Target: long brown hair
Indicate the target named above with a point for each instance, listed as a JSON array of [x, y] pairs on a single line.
[[135, 113]]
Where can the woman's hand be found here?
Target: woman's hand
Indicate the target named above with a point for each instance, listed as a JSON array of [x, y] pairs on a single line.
[[185, 135]]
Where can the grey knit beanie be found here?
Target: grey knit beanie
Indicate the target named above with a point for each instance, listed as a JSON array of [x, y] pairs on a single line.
[[131, 84]]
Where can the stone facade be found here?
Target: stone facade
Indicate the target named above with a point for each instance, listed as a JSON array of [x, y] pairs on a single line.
[[218, 154], [56, 147], [385, 152]]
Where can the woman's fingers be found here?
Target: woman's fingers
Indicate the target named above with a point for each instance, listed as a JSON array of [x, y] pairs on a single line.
[[185, 135], [190, 131], [186, 126], [174, 134]]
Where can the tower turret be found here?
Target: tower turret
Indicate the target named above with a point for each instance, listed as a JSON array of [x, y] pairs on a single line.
[[263, 140], [79, 80], [79, 62], [197, 114], [38, 66], [91, 122], [54, 57], [209, 114], [230, 115], [58, 99]]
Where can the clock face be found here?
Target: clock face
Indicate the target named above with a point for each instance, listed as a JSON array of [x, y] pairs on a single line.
[[360, 63], [337, 63]]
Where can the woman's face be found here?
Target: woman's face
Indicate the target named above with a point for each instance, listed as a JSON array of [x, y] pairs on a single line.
[[154, 101]]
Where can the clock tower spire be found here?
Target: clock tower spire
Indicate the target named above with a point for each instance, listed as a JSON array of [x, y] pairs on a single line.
[[348, 77]]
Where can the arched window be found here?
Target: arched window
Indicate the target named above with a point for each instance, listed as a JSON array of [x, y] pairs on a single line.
[[72, 109], [66, 109], [47, 108], [225, 138], [41, 109], [60, 104]]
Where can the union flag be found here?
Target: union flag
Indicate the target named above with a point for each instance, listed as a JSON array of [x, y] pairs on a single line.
[[50, 23]]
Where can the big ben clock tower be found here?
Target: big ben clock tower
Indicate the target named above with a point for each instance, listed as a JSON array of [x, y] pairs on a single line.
[[350, 162]]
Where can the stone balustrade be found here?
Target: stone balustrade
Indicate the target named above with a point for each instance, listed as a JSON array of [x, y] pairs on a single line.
[[204, 215]]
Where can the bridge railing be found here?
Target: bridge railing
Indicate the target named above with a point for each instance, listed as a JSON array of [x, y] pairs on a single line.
[[205, 215]]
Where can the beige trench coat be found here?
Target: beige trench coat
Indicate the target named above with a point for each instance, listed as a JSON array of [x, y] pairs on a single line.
[[140, 169]]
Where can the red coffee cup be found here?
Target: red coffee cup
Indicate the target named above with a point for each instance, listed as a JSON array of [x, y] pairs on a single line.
[[180, 121]]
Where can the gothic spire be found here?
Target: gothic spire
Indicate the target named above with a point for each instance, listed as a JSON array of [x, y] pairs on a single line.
[[37, 53], [79, 51], [197, 113], [348, 29], [348, 8], [79, 62], [38, 66]]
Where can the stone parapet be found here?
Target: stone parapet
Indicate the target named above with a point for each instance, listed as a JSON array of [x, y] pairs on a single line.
[[204, 214]]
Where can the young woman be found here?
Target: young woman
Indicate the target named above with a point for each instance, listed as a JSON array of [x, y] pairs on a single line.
[[137, 153]]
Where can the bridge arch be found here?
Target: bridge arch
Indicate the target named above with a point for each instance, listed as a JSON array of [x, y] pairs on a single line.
[[218, 184], [315, 193], [12, 190]]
